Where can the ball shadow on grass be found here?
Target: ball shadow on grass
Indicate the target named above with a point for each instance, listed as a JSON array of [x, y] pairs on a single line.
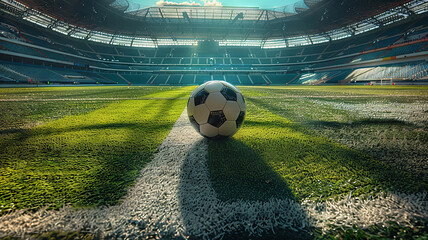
[[222, 197], [238, 172]]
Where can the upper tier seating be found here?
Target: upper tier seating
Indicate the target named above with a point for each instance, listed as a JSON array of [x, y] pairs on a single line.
[[246, 65]]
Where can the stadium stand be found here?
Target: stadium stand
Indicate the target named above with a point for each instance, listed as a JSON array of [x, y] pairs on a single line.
[[33, 53]]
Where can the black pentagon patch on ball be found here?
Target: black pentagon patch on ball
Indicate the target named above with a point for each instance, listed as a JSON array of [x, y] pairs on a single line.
[[229, 94], [194, 123], [201, 97], [216, 118], [240, 119]]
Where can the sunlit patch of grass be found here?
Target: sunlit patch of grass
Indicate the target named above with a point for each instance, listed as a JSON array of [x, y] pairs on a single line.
[[86, 159], [80, 92], [311, 166], [314, 91], [389, 127], [23, 107], [16, 116]]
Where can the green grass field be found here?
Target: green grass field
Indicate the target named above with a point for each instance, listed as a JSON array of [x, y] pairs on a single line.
[[85, 146], [302, 145], [84, 152]]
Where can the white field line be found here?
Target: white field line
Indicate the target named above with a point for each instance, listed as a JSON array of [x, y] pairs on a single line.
[[399, 208], [173, 197]]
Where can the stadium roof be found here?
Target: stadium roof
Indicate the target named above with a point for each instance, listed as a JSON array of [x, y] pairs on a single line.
[[275, 5], [115, 22]]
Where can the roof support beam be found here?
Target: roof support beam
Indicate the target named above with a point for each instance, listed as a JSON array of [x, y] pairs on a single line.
[[186, 16], [260, 16], [161, 14], [145, 14], [53, 24], [328, 37], [87, 36], [351, 30], [239, 16]]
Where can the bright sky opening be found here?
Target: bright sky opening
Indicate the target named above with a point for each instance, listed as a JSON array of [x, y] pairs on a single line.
[[262, 4]]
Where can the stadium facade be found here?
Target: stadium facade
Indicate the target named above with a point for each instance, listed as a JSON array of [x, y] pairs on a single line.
[[309, 42]]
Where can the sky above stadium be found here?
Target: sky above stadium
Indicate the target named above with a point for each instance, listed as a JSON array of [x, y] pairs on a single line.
[[262, 4]]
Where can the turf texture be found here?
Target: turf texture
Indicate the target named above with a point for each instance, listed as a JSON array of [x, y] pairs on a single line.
[[290, 146], [85, 156]]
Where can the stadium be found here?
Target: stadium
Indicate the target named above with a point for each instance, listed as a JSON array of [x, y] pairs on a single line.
[[98, 112]]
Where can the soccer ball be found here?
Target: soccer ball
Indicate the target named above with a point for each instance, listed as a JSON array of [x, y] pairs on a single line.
[[216, 109]]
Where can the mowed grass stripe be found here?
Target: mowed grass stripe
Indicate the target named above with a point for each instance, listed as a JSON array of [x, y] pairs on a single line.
[[81, 92], [38, 105], [87, 159], [351, 91], [271, 156]]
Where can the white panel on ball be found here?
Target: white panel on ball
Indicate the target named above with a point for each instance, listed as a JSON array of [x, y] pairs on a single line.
[[231, 110], [213, 86], [209, 130], [228, 128], [215, 101], [201, 113]]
